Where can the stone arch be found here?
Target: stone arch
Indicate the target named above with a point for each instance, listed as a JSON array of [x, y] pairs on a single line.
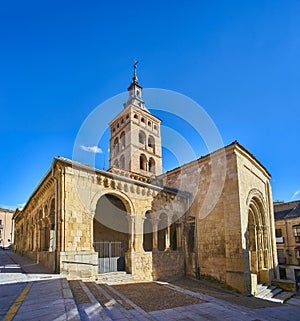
[[257, 240], [148, 232], [122, 140], [122, 162], [51, 224], [116, 163], [111, 212], [151, 143], [142, 138], [46, 228], [162, 231], [173, 233], [126, 200], [116, 146], [111, 229], [151, 165], [143, 162], [52, 213]]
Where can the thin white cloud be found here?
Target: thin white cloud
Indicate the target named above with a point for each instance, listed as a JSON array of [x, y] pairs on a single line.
[[295, 194], [9, 207], [92, 149], [21, 204]]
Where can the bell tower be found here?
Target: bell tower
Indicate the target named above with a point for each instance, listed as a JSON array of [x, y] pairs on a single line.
[[135, 141]]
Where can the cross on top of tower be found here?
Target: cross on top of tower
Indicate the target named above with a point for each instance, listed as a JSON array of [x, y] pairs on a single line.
[[135, 91], [135, 78]]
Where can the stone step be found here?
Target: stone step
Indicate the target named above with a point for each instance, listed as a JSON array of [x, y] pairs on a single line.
[[113, 308], [274, 292], [269, 292], [87, 305], [115, 277], [293, 301], [106, 303], [137, 312], [283, 296]]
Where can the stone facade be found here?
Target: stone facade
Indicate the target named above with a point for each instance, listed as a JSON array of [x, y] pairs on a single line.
[[212, 216], [287, 225], [76, 189], [224, 248], [6, 227]]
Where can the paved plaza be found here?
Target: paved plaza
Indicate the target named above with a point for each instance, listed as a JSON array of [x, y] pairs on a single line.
[[29, 291]]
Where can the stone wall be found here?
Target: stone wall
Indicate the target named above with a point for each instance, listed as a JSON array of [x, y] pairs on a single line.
[[44, 258], [80, 263], [254, 186], [222, 216], [34, 224], [149, 266]]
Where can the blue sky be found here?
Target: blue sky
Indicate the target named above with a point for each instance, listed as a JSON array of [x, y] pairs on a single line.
[[60, 59]]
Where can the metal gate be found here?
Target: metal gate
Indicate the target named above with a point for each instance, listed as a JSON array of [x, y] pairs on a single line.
[[111, 256]]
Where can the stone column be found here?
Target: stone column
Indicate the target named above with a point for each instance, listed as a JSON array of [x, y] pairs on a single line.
[[168, 238], [131, 219], [178, 235], [267, 247], [139, 235], [260, 247], [155, 222]]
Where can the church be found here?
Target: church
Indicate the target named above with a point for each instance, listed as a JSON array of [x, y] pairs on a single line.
[[133, 217]]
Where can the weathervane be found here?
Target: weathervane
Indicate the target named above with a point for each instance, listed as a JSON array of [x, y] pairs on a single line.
[[135, 62]]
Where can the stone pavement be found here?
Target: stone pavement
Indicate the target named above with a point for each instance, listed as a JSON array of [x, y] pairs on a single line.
[[30, 292]]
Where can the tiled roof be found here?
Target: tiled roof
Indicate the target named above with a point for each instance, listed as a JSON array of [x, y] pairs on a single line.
[[287, 210]]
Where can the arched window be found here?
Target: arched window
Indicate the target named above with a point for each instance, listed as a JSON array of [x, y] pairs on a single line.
[[152, 165], [135, 116], [116, 164], [162, 231], [142, 138], [148, 232], [46, 230], [151, 144], [143, 162], [122, 162], [122, 140], [142, 120], [116, 146]]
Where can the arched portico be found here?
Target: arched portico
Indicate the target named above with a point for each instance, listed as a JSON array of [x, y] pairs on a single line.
[[111, 232], [258, 243]]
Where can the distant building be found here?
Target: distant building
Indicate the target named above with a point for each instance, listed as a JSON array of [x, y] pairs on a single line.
[[287, 225], [6, 227]]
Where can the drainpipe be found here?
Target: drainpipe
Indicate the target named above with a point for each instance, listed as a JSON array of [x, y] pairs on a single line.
[[4, 230], [195, 242], [196, 248], [56, 219], [287, 242]]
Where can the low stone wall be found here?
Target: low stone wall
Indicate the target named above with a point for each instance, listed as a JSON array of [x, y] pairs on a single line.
[[286, 285], [140, 265], [44, 258], [149, 266], [83, 263], [167, 264]]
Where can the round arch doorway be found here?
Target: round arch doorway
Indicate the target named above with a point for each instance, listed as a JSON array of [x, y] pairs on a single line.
[[111, 233]]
